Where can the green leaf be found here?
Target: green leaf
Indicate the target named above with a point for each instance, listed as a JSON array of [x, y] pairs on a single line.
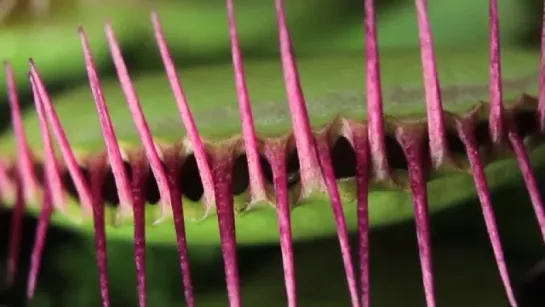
[[333, 86]]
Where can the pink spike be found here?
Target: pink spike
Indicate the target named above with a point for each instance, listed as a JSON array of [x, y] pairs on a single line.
[[140, 122], [257, 180], [138, 195], [110, 138], [340, 221], [16, 228], [529, 178], [496, 96], [276, 154], [412, 143], [225, 209], [436, 121], [97, 181], [186, 116], [179, 225], [362, 179], [541, 107], [39, 242], [375, 113], [52, 177], [25, 163], [306, 148], [465, 131], [58, 130], [97, 178]]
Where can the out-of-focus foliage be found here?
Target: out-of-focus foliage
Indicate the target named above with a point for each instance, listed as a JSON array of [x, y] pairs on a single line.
[[197, 30]]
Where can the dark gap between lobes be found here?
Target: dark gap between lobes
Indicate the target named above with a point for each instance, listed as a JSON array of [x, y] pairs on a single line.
[[241, 174], [344, 158]]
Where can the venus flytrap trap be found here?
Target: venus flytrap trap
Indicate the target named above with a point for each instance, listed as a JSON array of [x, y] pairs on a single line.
[[334, 168]]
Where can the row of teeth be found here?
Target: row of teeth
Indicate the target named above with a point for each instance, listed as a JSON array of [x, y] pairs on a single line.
[[316, 169], [339, 134]]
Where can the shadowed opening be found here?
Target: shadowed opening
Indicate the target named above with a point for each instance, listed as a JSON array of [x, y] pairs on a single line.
[[481, 133], [396, 157], [241, 173], [293, 168], [109, 189], [190, 179], [455, 144], [526, 122], [69, 184], [267, 170], [152, 188], [343, 158]]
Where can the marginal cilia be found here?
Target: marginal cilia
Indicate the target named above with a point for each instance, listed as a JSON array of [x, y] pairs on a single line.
[[316, 170]]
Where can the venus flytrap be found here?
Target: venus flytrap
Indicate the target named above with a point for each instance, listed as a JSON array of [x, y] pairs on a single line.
[[131, 180]]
